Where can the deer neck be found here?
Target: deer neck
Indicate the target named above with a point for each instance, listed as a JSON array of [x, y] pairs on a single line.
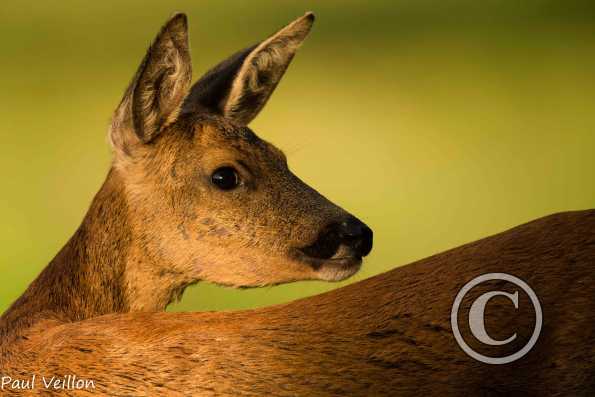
[[99, 271]]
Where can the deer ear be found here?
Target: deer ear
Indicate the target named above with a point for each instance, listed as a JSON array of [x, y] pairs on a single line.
[[157, 91], [240, 86]]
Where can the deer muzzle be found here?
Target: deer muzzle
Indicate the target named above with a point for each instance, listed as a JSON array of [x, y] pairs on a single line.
[[346, 241]]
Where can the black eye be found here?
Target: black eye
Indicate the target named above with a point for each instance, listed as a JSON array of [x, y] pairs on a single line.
[[225, 178]]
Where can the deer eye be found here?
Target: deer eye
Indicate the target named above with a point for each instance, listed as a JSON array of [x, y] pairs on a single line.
[[225, 178]]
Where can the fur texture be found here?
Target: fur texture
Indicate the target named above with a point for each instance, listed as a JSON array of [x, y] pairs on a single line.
[[159, 223], [386, 336]]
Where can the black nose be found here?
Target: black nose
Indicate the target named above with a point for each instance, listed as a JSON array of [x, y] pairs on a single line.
[[355, 234]]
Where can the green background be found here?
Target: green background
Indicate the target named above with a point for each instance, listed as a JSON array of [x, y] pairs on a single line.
[[436, 122]]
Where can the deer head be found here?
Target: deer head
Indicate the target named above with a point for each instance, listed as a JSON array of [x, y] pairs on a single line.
[[206, 198]]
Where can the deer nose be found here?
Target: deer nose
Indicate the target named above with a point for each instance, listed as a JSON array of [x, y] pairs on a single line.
[[356, 234]]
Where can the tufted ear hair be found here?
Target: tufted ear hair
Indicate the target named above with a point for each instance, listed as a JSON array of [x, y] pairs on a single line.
[[155, 96], [239, 87]]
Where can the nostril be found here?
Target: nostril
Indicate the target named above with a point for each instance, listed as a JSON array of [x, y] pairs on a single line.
[[350, 232], [325, 246], [357, 235]]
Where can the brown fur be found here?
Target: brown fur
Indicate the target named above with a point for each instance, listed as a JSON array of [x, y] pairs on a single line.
[[386, 336], [159, 224]]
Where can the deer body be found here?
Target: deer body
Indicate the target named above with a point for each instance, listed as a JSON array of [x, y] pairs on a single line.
[[193, 194], [388, 335]]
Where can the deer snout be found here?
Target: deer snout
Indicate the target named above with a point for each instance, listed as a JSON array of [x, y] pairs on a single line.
[[356, 235], [345, 239]]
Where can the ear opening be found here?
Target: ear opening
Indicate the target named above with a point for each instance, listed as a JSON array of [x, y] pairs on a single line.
[[155, 96], [239, 87], [210, 91]]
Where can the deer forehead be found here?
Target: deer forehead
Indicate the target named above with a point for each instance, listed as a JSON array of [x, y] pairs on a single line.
[[222, 140]]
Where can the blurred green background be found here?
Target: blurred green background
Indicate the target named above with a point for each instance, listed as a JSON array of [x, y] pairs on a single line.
[[436, 122]]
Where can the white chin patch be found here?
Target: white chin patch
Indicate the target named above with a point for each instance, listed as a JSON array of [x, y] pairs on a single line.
[[332, 273]]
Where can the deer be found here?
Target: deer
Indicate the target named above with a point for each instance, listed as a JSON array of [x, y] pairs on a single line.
[[387, 335], [193, 194]]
